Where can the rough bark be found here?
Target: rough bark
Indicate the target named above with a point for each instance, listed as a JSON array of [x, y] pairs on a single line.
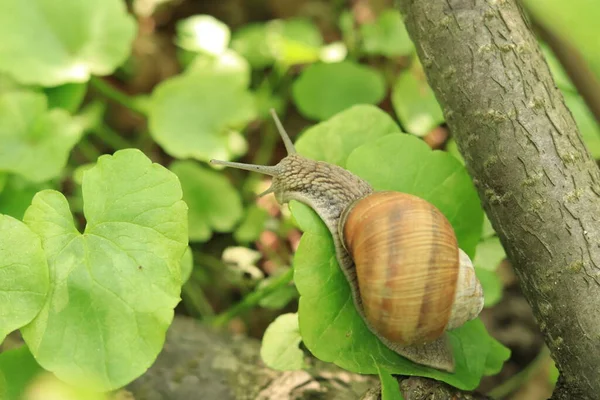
[[199, 362], [537, 182]]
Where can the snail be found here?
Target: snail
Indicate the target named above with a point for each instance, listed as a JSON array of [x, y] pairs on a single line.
[[410, 281]]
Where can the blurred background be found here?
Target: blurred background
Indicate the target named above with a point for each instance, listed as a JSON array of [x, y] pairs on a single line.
[[199, 83]]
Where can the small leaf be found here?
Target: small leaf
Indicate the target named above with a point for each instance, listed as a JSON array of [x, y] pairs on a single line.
[[390, 390], [491, 284], [200, 116], [488, 229], [452, 148], [114, 287], [228, 64], [213, 203], [252, 225], [333, 140], [326, 89], [558, 72], [17, 195], [19, 369], [47, 44], [203, 33], [251, 42], [387, 36], [280, 297], [490, 254], [36, 142], [68, 96], [280, 342], [294, 41], [24, 273], [414, 102], [187, 265]]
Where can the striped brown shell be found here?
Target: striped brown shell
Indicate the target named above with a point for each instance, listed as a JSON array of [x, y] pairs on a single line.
[[408, 267]]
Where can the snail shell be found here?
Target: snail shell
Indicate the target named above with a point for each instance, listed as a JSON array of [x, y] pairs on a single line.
[[410, 282]]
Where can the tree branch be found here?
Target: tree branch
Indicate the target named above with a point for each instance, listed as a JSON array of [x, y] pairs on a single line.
[[537, 182]]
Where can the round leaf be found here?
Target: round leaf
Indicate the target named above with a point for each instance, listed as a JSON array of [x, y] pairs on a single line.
[[329, 323], [251, 42], [415, 104], [114, 287], [333, 140], [387, 35], [228, 64], [35, 141], [406, 164], [199, 116], [23, 275], [19, 368], [50, 43], [187, 264], [326, 89], [17, 195], [214, 204], [280, 342], [68, 96]]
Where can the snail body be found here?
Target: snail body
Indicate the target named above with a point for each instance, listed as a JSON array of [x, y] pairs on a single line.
[[410, 281]]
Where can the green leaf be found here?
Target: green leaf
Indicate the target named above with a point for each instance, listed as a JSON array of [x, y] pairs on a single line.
[[251, 42], [390, 390], [114, 287], [488, 229], [214, 204], [432, 175], [279, 349], [228, 65], [68, 96], [19, 369], [490, 254], [24, 275], [200, 116], [329, 323], [333, 140], [35, 141], [17, 195], [491, 284], [414, 102], [252, 225], [203, 33], [587, 124], [49, 43], [294, 41], [452, 148], [324, 90], [281, 296], [387, 36], [558, 72], [187, 264]]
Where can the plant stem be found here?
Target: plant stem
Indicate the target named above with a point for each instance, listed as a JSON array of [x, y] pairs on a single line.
[[253, 298], [111, 138], [518, 379], [197, 299], [89, 151], [116, 95]]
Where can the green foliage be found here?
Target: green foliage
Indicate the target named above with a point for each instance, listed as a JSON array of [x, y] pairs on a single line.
[[576, 23], [24, 282], [414, 102], [326, 89], [68, 96], [187, 265], [386, 36], [329, 323], [213, 203], [17, 369], [50, 42], [279, 349], [280, 297], [17, 194], [187, 122], [252, 225], [35, 141], [488, 257], [113, 288]]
